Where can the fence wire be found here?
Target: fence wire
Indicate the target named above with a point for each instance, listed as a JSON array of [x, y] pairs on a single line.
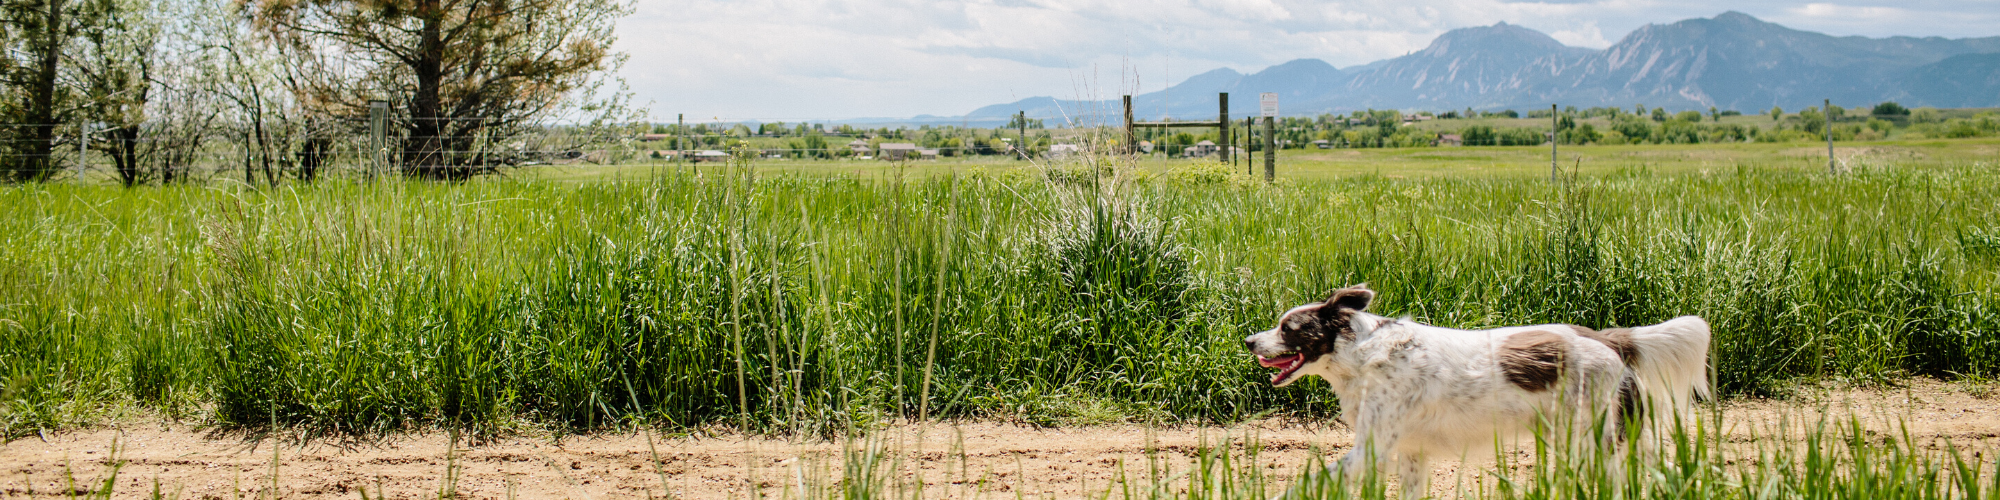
[[161, 152]]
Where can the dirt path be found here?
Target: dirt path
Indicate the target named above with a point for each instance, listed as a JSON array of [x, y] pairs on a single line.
[[956, 460]]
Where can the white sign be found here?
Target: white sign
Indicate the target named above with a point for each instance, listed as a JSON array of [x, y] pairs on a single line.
[[1269, 101]]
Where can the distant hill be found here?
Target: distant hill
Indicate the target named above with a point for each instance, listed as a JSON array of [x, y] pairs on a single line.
[[1731, 61]]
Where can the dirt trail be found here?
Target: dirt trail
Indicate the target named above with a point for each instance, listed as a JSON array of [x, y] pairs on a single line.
[[956, 460]]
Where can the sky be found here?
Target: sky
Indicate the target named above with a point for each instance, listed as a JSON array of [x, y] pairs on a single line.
[[794, 60]]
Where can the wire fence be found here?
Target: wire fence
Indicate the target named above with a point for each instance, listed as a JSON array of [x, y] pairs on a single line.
[[163, 152]]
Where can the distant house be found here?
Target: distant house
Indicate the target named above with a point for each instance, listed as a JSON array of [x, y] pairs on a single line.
[[1146, 146], [709, 155], [654, 137], [1451, 140], [859, 147], [1064, 150], [1201, 149], [899, 151], [1323, 144]]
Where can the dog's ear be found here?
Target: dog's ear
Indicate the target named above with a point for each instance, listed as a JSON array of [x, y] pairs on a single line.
[[1354, 297]]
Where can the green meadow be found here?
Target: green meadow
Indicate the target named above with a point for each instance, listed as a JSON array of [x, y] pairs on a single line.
[[795, 297]]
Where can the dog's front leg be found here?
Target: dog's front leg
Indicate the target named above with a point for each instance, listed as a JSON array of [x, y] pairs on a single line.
[[1375, 435]]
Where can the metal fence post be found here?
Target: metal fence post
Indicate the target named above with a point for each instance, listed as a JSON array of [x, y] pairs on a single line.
[[1827, 113], [1270, 149]]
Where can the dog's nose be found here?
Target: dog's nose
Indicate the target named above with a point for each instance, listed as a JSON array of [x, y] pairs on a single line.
[[1250, 344]]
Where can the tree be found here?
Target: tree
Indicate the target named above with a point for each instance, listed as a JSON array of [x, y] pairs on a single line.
[[1890, 108], [114, 62], [38, 90], [1713, 115], [1776, 113], [459, 73]]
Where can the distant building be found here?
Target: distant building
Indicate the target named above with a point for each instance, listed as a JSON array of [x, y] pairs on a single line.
[[1146, 146], [1323, 144], [709, 155], [654, 137], [1064, 150], [1201, 149], [899, 151], [1451, 140]]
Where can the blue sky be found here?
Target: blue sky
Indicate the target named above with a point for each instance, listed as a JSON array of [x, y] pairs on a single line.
[[799, 59]]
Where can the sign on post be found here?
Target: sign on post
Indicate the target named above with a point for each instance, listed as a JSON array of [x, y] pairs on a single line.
[[1269, 103]]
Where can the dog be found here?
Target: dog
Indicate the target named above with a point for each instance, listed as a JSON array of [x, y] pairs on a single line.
[[1412, 391]]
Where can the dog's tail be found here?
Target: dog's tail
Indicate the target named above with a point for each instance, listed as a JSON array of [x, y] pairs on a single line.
[[1671, 363]]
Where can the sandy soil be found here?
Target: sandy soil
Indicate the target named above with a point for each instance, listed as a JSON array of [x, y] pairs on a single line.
[[955, 460]]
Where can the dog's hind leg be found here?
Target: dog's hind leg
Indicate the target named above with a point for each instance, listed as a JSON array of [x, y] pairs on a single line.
[[1415, 474]]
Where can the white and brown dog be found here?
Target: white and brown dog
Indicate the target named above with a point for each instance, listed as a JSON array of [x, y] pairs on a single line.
[[1412, 392]]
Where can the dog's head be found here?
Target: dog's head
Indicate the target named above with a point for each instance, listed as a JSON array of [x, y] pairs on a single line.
[[1307, 334]]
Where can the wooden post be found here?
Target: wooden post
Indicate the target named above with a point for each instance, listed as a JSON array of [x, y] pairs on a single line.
[[1021, 145], [1270, 150], [378, 127], [1131, 140], [1555, 122], [1827, 112], [1222, 117]]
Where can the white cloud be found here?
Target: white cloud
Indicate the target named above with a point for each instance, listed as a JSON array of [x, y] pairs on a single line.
[[793, 59], [1583, 36]]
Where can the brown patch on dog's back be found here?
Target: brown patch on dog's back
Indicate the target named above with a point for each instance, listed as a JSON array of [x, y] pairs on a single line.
[[1533, 360], [1618, 339]]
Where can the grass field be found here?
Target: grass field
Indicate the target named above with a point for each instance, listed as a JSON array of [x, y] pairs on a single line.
[[768, 297], [820, 298]]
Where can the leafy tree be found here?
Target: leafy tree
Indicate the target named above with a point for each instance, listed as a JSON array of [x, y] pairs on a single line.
[[37, 91], [1714, 115], [1890, 108], [1776, 113], [454, 70], [115, 58]]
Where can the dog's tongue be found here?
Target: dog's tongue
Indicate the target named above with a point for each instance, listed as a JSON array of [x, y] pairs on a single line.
[[1285, 364], [1277, 362]]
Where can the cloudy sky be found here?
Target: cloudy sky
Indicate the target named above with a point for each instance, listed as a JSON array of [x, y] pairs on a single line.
[[830, 59]]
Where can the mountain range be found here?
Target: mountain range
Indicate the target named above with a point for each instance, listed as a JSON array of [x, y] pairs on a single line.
[[1732, 61]]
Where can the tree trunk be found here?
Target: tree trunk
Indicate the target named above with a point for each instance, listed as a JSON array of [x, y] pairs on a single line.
[[40, 162], [424, 156], [125, 154]]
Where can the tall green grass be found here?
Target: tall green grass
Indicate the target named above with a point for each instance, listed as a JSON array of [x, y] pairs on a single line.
[[808, 304]]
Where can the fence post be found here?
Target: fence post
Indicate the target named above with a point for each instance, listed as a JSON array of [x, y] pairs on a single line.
[[1270, 149], [1827, 112], [1022, 146], [1222, 118], [83, 149], [1131, 140], [378, 129], [1555, 123], [1249, 134]]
